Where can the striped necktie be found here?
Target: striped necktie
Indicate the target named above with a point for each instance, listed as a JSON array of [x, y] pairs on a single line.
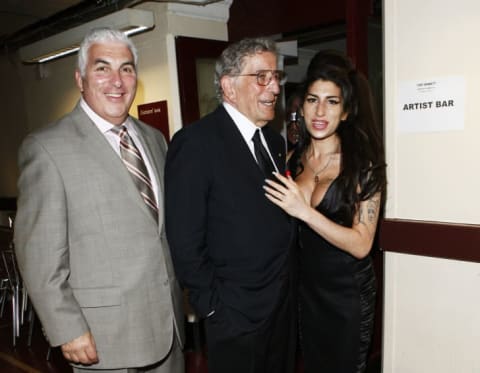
[[136, 167]]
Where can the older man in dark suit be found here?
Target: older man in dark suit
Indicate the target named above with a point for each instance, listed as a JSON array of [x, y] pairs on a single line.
[[231, 247]]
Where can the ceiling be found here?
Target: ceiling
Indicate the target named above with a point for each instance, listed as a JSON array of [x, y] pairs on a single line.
[[25, 21], [17, 14]]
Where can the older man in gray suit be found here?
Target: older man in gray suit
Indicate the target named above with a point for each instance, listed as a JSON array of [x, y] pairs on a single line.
[[89, 230]]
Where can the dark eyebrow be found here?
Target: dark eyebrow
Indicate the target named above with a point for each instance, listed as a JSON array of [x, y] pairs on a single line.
[[328, 97], [128, 63], [99, 60]]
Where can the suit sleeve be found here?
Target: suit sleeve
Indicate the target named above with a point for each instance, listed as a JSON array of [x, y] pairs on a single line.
[[187, 183], [41, 244]]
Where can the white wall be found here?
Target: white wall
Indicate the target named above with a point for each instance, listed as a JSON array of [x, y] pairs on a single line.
[[33, 97], [432, 318], [432, 306]]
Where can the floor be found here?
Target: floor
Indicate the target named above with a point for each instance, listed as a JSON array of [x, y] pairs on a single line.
[[21, 358]]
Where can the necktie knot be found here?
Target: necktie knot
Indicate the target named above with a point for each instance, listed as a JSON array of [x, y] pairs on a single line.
[[119, 130]]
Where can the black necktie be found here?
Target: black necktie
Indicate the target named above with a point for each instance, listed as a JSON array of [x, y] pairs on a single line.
[[133, 160], [263, 159]]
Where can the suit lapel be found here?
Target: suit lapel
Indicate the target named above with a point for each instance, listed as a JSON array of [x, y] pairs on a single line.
[[235, 144], [93, 143], [242, 158]]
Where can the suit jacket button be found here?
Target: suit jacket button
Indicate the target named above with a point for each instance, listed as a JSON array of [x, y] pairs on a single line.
[[165, 283]]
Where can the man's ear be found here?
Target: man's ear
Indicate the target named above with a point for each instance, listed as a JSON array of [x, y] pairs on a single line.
[[228, 88], [79, 80]]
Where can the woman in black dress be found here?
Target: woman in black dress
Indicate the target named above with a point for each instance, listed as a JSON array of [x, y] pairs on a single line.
[[336, 190]]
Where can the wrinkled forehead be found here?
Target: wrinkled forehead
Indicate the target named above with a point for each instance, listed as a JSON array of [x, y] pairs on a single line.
[[262, 60]]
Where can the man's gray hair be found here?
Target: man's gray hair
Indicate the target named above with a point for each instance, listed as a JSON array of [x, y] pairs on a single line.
[[100, 36], [232, 59]]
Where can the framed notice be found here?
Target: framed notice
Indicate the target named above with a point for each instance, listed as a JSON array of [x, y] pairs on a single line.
[[431, 105], [156, 115]]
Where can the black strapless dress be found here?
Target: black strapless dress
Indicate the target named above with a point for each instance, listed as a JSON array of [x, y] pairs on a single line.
[[336, 303]]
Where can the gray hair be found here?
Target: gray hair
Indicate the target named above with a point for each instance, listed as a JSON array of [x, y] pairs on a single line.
[[232, 59], [102, 35]]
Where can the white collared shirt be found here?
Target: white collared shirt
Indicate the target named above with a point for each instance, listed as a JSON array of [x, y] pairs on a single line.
[[247, 129], [114, 140]]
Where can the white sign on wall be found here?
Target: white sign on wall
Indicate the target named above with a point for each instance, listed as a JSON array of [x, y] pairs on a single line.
[[431, 105]]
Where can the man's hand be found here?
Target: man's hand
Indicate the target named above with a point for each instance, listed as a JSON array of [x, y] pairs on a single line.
[[81, 350]]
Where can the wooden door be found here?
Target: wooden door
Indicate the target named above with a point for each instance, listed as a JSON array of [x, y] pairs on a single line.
[[193, 54]]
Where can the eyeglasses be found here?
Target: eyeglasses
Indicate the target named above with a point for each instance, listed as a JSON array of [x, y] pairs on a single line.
[[264, 77]]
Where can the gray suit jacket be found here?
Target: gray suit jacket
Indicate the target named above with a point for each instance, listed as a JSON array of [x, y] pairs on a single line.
[[90, 253]]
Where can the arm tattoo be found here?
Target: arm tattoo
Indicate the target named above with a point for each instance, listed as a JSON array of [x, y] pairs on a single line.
[[370, 210], [360, 215], [372, 207]]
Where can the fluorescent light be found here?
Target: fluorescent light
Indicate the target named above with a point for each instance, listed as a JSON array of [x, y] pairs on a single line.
[[130, 21], [54, 55]]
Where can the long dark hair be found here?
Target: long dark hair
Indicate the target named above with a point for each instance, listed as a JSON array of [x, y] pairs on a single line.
[[363, 169]]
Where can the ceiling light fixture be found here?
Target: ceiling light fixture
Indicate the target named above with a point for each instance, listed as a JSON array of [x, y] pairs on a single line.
[[130, 21]]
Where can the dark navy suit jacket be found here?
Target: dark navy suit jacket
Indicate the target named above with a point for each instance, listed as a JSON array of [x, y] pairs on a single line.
[[230, 244]]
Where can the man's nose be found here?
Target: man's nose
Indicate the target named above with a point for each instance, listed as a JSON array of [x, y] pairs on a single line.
[[117, 79], [274, 86]]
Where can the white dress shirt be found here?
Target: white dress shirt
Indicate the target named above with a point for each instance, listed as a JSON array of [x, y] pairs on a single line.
[[247, 129]]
